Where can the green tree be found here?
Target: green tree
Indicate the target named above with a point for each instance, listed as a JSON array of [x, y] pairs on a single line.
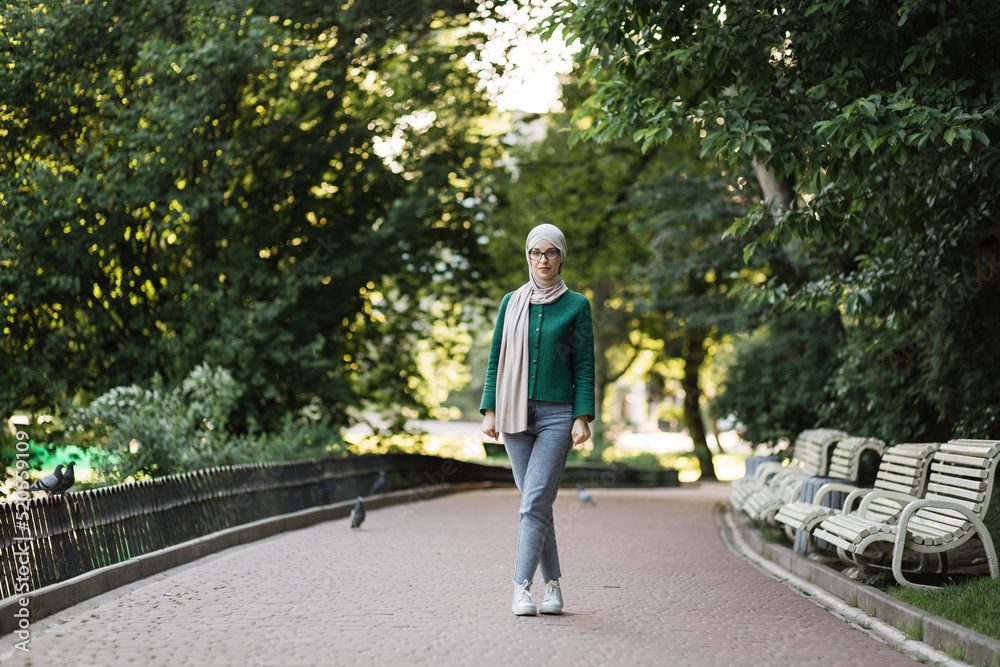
[[269, 187], [695, 275], [873, 128]]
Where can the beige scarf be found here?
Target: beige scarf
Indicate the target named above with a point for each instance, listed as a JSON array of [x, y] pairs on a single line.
[[512, 367]]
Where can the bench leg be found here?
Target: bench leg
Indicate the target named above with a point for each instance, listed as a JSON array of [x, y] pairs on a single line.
[[868, 564], [897, 569]]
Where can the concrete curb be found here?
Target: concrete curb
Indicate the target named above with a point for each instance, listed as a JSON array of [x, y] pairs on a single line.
[[64, 594], [943, 635]]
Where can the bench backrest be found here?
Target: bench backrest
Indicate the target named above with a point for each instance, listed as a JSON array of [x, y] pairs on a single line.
[[962, 471], [847, 454], [813, 448], [903, 469]]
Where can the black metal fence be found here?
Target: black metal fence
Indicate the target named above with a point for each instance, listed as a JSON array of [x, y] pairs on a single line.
[[62, 537]]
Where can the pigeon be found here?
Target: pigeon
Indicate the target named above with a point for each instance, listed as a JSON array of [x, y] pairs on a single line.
[[584, 496], [358, 514], [379, 485], [68, 479], [49, 483]]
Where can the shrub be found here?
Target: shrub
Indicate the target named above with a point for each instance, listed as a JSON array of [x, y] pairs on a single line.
[[300, 438], [158, 431], [777, 384]]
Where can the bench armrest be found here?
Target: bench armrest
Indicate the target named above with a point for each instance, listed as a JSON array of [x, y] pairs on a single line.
[[768, 468], [852, 497], [901, 532], [831, 487], [938, 503], [903, 498]]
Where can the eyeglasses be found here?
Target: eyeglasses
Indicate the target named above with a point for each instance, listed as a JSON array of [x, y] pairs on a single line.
[[551, 254]]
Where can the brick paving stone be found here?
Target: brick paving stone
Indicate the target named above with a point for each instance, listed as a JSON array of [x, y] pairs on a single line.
[[647, 580]]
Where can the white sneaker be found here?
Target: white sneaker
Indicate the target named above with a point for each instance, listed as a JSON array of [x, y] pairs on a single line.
[[553, 602], [523, 606]]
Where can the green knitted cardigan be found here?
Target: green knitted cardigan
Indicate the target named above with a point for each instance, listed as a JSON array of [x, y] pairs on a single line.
[[561, 349]]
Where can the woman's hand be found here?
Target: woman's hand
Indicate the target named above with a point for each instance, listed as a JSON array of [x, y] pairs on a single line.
[[581, 430], [489, 426]]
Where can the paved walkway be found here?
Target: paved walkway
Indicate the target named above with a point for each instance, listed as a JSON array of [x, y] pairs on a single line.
[[646, 577]]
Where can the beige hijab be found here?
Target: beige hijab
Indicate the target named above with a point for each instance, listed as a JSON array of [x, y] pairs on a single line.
[[512, 368]]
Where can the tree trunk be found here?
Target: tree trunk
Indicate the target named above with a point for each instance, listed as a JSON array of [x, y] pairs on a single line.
[[610, 329], [694, 355], [713, 425], [779, 194]]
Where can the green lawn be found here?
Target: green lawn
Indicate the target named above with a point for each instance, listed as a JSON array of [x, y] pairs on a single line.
[[972, 604]]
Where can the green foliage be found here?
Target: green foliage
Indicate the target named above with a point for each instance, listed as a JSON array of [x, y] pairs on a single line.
[[298, 438], [159, 431], [136, 432], [51, 456], [883, 118], [645, 460], [269, 187], [695, 274], [876, 394], [880, 388], [858, 84], [777, 381]]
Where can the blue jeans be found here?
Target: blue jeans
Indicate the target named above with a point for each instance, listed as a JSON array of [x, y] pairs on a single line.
[[537, 458]]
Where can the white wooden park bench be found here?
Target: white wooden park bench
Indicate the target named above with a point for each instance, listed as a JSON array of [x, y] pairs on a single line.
[[902, 469], [809, 457], [845, 465], [949, 513]]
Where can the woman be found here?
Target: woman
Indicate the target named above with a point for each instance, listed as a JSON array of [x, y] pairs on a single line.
[[540, 394]]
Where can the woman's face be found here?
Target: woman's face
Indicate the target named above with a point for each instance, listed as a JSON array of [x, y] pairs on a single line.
[[543, 267]]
